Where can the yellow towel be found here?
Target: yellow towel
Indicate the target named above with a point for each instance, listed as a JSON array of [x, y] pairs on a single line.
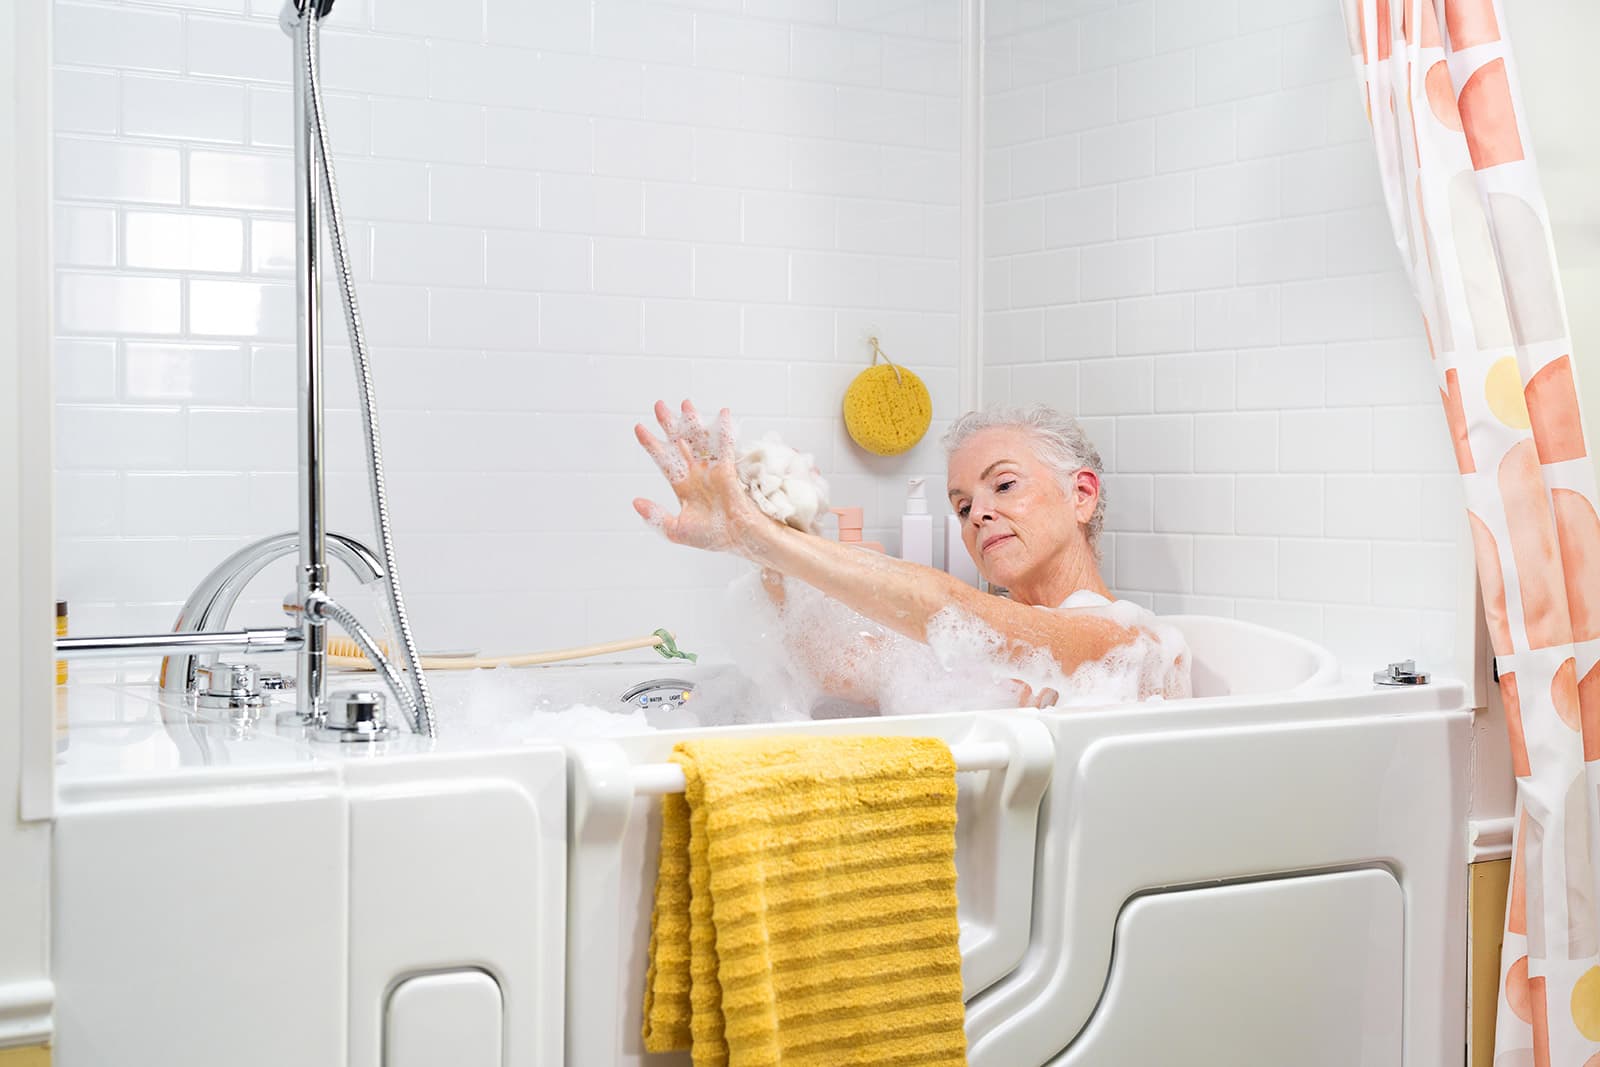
[[805, 910]]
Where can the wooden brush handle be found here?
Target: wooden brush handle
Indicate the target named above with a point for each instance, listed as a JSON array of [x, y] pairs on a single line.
[[359, 662]]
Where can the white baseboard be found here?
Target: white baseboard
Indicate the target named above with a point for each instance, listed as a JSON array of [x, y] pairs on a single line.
[[1489, 839], [25, 1010]]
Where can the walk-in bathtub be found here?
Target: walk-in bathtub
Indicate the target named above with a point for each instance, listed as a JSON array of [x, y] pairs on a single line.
[[1271, 872]]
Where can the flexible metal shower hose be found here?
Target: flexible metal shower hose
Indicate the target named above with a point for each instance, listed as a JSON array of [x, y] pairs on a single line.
[[347, 620], [418, 699]]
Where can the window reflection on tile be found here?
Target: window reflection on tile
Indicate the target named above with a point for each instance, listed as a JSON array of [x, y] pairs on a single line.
[[184, 242], [241, 309], [101, 303], [210, 373]]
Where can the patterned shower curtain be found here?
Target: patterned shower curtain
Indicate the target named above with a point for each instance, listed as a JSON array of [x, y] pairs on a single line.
[[1470, 220]]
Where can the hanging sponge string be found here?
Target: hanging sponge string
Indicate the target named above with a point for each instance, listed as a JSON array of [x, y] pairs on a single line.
[[878, 351]]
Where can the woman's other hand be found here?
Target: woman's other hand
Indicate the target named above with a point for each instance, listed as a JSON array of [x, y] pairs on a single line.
[[1027, 698], [714, 510]]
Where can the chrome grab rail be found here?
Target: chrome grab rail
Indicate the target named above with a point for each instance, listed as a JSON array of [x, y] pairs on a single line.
[[118, 647], [657, 779]]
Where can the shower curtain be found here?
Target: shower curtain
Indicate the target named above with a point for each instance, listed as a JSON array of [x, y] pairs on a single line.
[[1470, 220]]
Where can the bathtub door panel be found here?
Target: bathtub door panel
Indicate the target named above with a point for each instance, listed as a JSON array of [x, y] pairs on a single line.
[[1133, 809], [458, 865], [1303, 970]]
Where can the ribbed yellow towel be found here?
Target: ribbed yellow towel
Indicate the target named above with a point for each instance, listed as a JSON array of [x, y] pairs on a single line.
[[805, 910]]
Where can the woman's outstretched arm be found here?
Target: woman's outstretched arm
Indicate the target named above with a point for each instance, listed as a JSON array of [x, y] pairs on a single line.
[[715, 513]]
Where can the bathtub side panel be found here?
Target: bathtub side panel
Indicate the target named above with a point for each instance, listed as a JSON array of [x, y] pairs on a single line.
[[202, 929]]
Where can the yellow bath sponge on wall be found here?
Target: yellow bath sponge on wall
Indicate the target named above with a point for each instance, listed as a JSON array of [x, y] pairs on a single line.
[[887, 408]]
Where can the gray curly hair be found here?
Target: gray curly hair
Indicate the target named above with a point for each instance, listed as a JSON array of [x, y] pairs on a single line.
[[1060, 444]]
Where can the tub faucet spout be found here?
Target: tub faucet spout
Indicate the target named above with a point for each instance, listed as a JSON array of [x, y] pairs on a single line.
[[212, 601]]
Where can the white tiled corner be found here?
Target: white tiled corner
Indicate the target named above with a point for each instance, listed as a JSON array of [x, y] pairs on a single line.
[[576, 205]]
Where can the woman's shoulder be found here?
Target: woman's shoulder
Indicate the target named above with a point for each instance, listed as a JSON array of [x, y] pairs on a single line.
[[1083, 598]]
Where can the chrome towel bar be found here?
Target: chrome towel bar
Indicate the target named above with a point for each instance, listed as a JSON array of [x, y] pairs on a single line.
[[657, 779]]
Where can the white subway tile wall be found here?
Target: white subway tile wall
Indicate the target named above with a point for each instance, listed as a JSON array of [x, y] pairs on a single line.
[[559, 212], [1242, 344]]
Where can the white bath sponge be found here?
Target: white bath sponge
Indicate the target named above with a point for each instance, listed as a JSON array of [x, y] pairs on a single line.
[[785, 484]]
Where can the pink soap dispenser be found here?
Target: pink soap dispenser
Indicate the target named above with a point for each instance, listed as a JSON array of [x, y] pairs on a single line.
[[850, 525]]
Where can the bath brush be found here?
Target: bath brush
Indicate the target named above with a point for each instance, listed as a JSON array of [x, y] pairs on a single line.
[[886, 408], [345, 654]]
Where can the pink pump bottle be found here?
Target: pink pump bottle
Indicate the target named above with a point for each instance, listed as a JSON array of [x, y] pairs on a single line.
[[850, 525]]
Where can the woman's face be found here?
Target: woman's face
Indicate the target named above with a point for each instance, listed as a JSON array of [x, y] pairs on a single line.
[[1019, 524]]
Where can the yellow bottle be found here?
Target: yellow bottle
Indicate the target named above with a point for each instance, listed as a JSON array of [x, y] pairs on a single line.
[[61, 631]]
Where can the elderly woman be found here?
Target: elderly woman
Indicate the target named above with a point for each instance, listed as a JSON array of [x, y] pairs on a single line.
[[1026, 486]]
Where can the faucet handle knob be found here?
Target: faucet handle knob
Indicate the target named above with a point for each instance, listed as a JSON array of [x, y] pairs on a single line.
[[229, 679], [234, 686], [355, 715]]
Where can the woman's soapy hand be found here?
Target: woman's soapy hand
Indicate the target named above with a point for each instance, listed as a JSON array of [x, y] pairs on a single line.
[[715, 511], [1027, 698]]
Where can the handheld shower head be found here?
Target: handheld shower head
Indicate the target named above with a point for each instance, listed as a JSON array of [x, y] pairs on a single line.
[[289, 17]]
